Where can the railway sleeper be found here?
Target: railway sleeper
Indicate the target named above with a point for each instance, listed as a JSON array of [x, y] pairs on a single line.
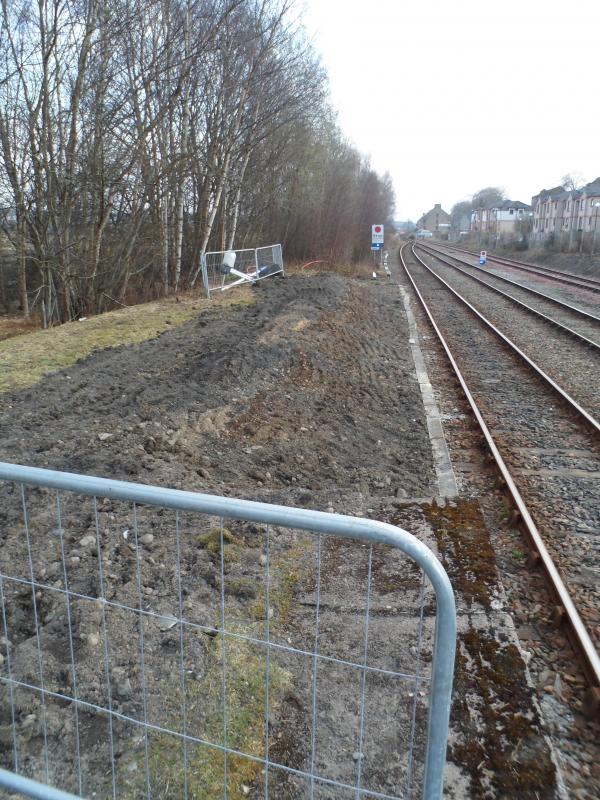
[[591, 702]]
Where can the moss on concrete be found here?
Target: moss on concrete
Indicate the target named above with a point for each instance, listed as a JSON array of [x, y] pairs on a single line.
[[465, 548], [500, 746]]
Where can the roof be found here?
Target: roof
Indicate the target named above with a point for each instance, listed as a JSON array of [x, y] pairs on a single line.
[[506, 204], [549, 193], [560, 193], [437, 209], [503, 206], [592, 188]]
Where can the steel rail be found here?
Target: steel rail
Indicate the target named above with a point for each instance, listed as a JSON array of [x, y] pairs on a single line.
[[580, 280], [561, 303], [565, 328], [592, 422], [578, 634], [563, 277]]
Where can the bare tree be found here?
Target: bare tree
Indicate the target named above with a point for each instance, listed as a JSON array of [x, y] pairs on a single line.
[[572, 180], [135, 134], [488, 197]]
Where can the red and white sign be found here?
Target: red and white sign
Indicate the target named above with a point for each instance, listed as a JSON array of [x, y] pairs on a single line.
[[376, 234]]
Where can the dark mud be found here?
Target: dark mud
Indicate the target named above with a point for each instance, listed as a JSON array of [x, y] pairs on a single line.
[[311, 383], [305, 397]]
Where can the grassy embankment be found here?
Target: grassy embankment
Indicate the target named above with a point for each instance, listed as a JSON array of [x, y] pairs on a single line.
[[26, 359]]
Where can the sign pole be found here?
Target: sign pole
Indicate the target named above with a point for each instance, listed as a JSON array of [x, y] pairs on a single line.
[[377, 241]]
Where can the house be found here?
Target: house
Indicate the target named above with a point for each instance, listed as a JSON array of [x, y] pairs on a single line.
[[506, 219], [437, 221], [568, 217]]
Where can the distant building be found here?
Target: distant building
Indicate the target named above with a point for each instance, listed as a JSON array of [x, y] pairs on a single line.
[[437, 221], [508, 218], [404, 225], [567, 217]]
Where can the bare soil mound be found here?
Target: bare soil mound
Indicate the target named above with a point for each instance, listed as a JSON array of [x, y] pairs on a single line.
[[305, 397]]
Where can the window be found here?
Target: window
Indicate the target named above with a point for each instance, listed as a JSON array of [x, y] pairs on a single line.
[[512, 211]]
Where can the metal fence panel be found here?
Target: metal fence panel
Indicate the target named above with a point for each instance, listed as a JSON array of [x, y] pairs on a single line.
[[269, 260], [148, 643], [224, 269]]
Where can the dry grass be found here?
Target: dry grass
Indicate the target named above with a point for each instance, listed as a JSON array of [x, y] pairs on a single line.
[[17, 326], [27, 358], [347, 269]]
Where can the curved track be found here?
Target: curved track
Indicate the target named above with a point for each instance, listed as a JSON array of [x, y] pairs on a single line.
[[543, 300], [580, 281], [567, 349], [546, 446]]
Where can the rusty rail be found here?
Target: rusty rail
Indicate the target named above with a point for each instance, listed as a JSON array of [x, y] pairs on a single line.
[[529, 309], [577, 632], [558, 275]]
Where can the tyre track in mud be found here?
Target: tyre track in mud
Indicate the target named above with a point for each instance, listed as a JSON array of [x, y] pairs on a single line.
[[293, 399]]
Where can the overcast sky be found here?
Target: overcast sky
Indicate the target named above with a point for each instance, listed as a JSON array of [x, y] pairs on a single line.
[[450, 97]]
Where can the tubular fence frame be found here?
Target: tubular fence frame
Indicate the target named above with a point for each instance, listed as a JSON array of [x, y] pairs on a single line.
[[356, 528], [251, 260]]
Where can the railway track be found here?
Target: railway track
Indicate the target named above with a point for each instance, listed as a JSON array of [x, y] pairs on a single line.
[[546, 446], [567, 348], [571, 314], [569, 278]]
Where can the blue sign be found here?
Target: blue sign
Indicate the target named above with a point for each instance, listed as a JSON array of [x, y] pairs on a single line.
[[377, 246]]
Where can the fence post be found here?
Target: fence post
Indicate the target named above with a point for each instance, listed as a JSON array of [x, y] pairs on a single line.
[[204, 274], [441, 689]]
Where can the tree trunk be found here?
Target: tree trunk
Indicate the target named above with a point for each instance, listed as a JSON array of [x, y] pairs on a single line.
[[165, 241], [22, 267], [213, 213], [224, 218]]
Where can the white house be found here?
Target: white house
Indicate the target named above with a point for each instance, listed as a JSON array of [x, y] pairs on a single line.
[[509, 218]]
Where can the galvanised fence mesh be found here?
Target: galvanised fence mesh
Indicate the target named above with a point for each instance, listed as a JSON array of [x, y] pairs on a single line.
[[158, 643], [224, 269]]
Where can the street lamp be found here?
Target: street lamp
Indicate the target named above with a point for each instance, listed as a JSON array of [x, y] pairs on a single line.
[[595, 205]]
